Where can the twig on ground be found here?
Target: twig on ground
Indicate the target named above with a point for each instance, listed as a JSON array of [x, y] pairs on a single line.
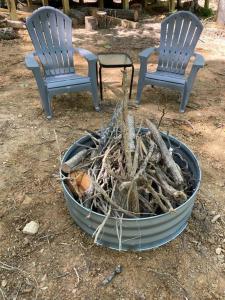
[[162, 116], [24, 273], [17, 293], [78, 277], [173, 278], [3, 294], [57, 143], [61, 275]]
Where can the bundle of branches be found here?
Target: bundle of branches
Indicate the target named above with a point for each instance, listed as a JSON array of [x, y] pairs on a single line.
[[127, 171]]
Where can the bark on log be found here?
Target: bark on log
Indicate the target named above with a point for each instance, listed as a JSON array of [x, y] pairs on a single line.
[[132, 195], [131, 131], [221, 13], [170, 190], [128, 14], [166, 156], [15, 24], [68, 166], [8, 34], [101, 17], [91, 23], [19, 13], [113, 22], [78, 17]]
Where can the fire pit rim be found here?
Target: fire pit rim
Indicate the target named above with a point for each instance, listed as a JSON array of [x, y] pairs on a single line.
[[65, 188]]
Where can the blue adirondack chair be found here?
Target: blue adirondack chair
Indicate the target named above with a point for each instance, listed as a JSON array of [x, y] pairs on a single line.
[[180, 33], [52, 62]]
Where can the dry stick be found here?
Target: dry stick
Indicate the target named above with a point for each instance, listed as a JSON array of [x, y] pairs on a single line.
[[170, 190], [166, 156], [3, 295], [156, 197], [160, 194], [132, 197], [17, 293], [124, 125], [108, 199], [173, 278], [131, 132], [142, 146], [127, 184], [68, 166], [136, 155], [12, 268], [100, 227], [165, 199], [104, 160], [57, 143], [161, 118], [78, 277], [146, 204], [133, 184], [119, 231]]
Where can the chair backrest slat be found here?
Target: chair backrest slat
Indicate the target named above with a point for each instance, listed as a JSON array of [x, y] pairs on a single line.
[[180, 33], [51, 33]]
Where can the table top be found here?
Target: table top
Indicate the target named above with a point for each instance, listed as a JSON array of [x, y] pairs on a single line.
[[114, 59]]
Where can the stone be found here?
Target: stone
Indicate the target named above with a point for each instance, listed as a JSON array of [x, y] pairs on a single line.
[[44, 277], [218, 251], [221, 257], [26, 241], [31, 228], [215, 218], [4, 283], [27, 200]]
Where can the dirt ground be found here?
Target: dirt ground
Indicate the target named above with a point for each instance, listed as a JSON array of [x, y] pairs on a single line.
[[60, 261]]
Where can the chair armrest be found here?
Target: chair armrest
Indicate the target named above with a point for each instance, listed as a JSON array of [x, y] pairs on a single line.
[[197, 64], [89, 56], [31, 62], [199, 60], [147, 52]]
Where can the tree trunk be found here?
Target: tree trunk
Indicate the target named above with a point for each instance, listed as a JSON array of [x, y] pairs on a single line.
[[206, 5], [128, 14], [125, 4], [78, 17], [178, 4], [91, 23], [221, 13], [66, 6], [101, 4], [11, 4], [195, 5], [171, 5]]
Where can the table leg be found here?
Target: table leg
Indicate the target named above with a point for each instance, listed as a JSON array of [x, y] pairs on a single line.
[[100, 81], [131, 81]]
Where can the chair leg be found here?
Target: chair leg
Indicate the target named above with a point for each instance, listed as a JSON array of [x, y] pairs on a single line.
[[184, 100], [100, 82], [94, 86], [140, 88], [46, 105], [95, 96], [131, 81]]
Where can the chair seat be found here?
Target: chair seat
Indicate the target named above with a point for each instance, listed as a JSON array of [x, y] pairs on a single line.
[[64, 80], [167, 77]]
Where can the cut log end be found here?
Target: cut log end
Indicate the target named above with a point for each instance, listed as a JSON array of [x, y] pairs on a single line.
[[65, 168], [91, 23]]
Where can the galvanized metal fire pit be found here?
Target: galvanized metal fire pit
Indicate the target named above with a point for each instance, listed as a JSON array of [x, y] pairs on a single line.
[[138, 234]]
